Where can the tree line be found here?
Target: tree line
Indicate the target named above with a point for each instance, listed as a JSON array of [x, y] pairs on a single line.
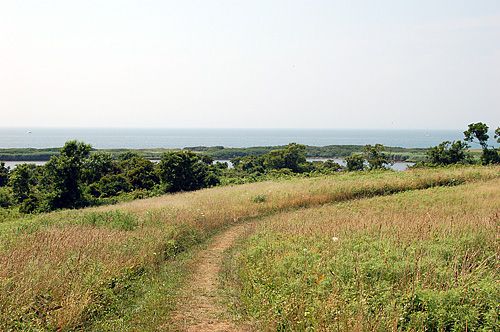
[[457, 152], [75, 178]]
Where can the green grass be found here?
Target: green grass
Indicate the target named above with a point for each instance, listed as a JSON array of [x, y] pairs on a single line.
[[416, 261]]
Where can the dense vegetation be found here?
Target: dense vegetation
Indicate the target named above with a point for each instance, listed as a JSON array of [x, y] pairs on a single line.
[[415, 261], [75, 269], [75, 178], [218, 152], [448, 153]]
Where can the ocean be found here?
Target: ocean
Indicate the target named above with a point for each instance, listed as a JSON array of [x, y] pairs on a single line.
[[136, 138]]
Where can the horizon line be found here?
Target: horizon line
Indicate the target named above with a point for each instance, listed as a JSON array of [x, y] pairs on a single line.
[[223, 128]]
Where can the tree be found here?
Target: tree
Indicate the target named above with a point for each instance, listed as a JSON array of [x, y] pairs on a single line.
[[447, 153], [4, 174], [62, 181], [375, 156], [140, 172], [185, 171], [355, 162], [96, 166], [6, 198], [293, 157], [490, 156], [23, 180], [326, 167], [111, 185], [249, 164], [478, 133]]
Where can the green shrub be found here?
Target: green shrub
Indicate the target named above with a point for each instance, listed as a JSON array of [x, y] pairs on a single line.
[[259, 198], [6, 198]]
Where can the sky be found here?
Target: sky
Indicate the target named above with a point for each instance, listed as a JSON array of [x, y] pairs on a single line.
[[386, 64]]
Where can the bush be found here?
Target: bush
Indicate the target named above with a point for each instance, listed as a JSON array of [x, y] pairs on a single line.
[[4, 174], [259, 198], [6, 198], [448, 153], [355, 162], [31, 204]]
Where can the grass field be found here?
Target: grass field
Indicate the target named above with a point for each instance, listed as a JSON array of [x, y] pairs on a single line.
[[415, 261], [109, 268]]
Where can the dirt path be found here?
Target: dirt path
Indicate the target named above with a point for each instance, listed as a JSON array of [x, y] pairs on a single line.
[[199, 308]]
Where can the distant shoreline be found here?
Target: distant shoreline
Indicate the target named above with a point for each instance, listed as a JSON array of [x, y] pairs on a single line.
[[219, 153]]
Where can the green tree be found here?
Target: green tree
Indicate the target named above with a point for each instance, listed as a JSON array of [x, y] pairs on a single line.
[[447, 153], [355, 162], [96, 166], [140, 172], [293, 157], [4, 174], [375, 156], [490, 156], [63, 180], [185, 171], [249, 164], [128, 155], [23, 180], [111, 185], [6, 197], [478, 133], [326, 167]]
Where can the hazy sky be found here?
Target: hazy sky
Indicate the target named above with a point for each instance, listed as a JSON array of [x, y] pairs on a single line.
[[270, 63]]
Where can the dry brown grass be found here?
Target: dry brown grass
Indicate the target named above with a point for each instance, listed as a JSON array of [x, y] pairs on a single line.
[[56, 266]]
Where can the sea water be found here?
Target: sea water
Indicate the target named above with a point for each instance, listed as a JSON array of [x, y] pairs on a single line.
[[135, 138]]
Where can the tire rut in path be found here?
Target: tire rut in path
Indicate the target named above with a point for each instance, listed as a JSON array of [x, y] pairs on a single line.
[[198, 307]]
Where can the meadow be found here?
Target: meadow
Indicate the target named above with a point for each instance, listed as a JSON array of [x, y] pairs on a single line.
[[416, 261], [86, 269]]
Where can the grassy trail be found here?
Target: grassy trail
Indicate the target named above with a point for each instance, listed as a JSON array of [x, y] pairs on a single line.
[[200, 308], [202, 303]]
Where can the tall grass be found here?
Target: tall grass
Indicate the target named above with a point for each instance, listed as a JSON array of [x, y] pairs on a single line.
[[416, 261], [63, 270]]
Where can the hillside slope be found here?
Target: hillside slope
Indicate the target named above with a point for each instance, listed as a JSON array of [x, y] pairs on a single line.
[[71, 270]]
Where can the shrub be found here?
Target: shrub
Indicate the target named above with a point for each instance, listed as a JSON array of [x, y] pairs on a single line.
[[448, 153], [355, 162], [259, 198], [4, 174], [6, 198]]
